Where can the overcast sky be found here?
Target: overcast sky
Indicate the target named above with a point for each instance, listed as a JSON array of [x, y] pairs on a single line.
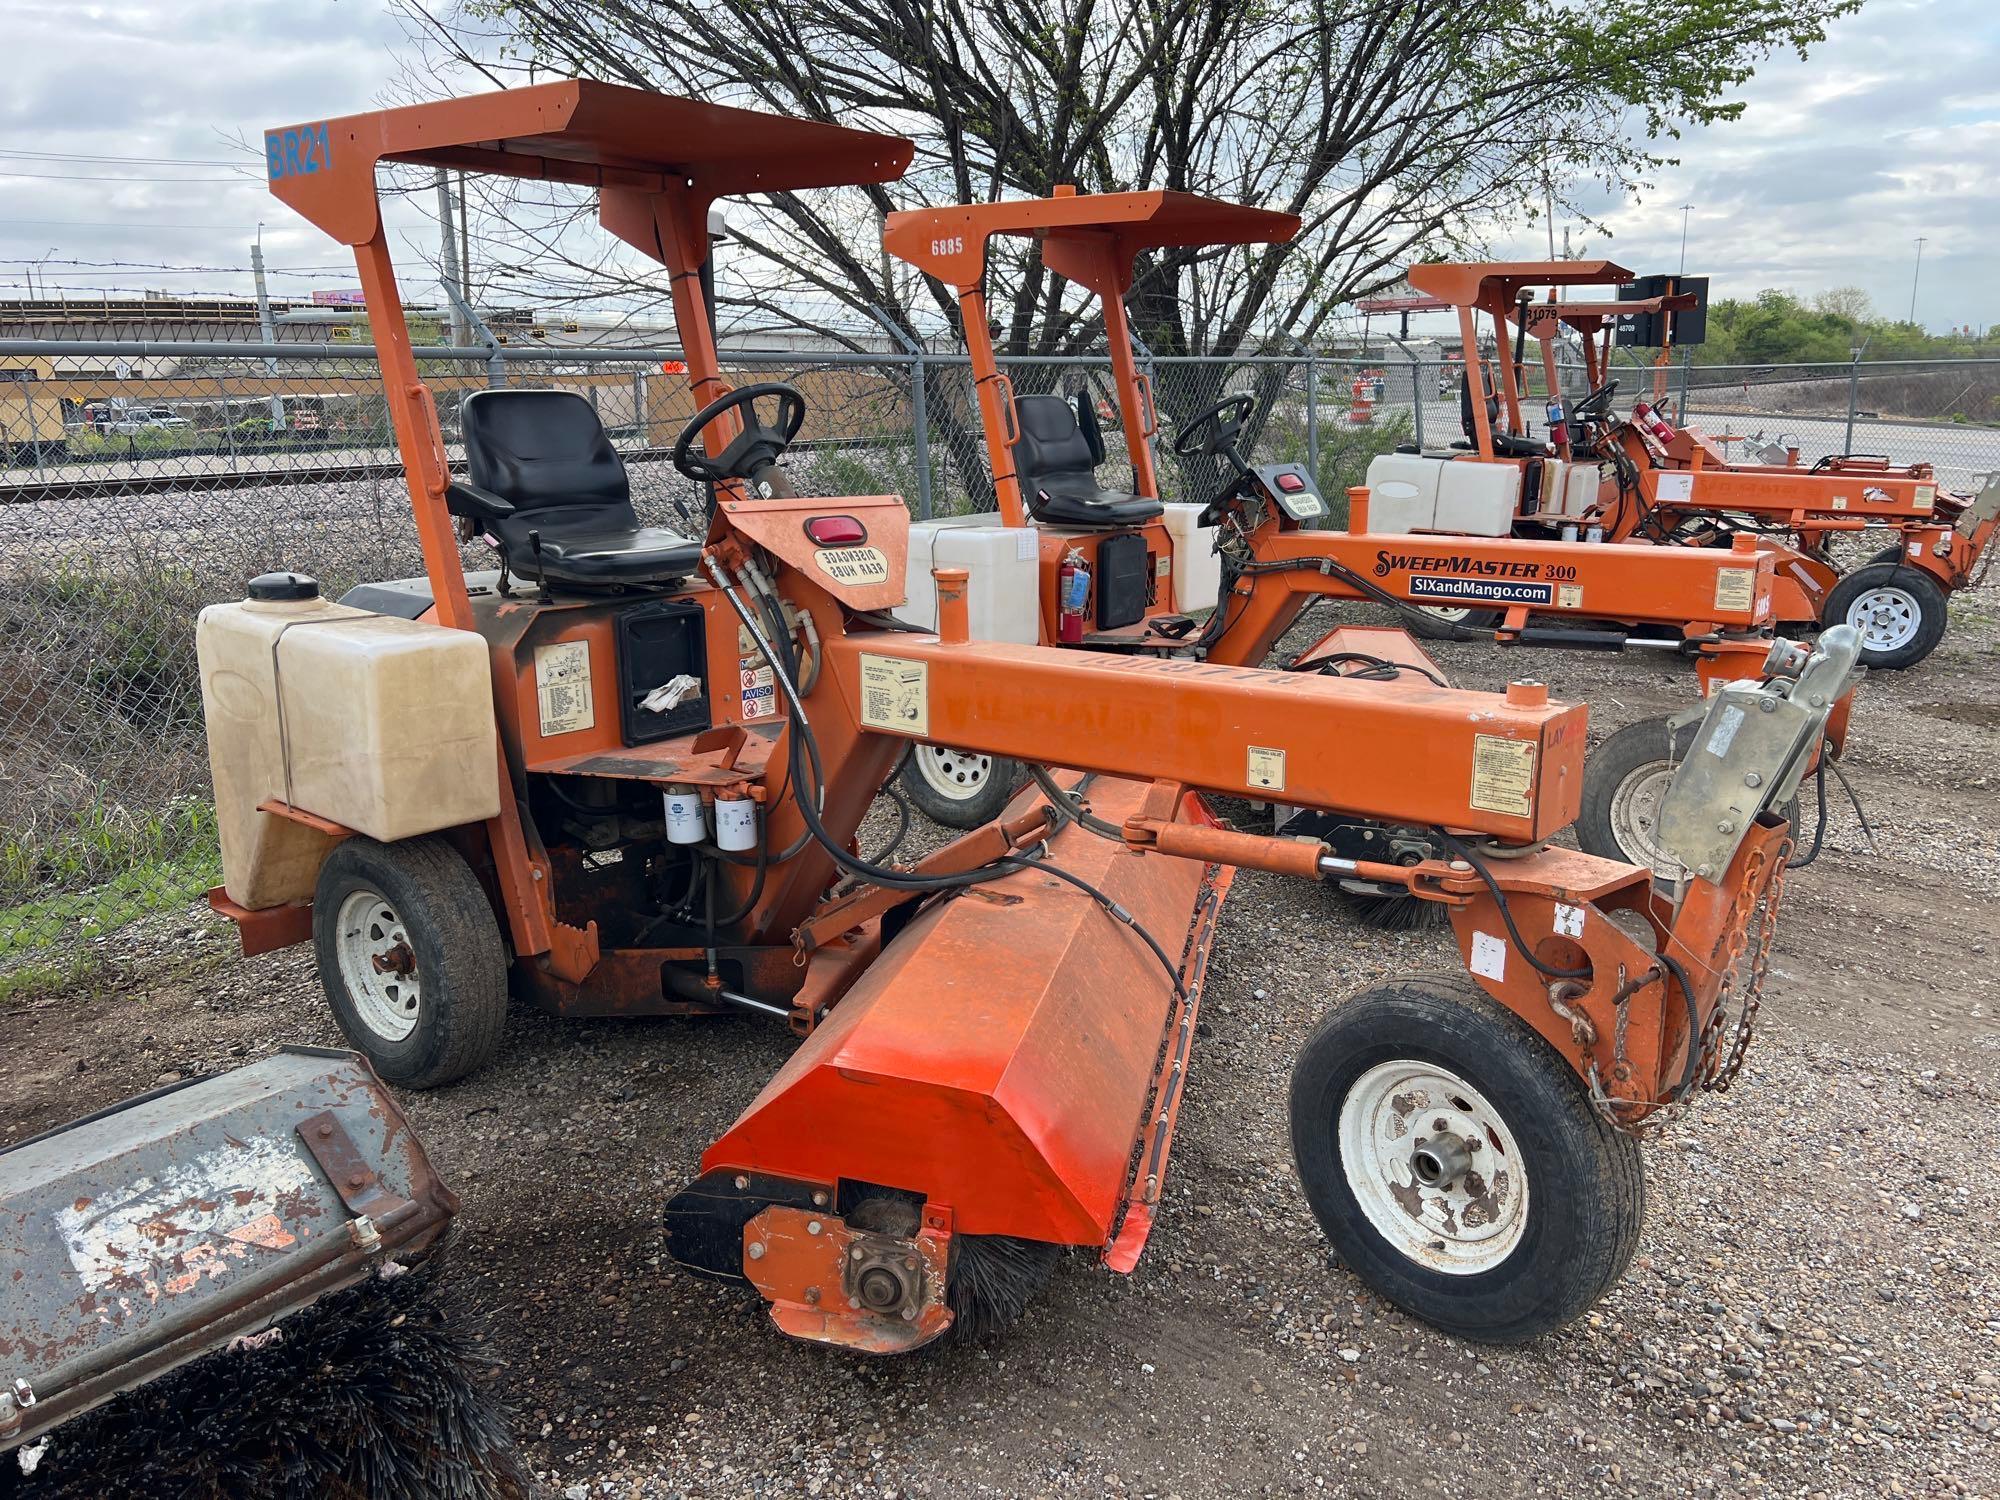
[[1890, 131]]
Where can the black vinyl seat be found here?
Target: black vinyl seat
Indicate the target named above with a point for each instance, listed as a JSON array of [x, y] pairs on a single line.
[[539, 461], [1056, 464], [1505, 444]]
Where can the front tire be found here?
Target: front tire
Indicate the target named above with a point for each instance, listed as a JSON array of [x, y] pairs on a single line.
[[1455, 1161], [1449, 620], [958, 788], [1624, 780], [411, 959], [1899, 610]]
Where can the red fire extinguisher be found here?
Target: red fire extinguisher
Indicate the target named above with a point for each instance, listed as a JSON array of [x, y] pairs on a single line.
[[1072, 593], [1646, 417]]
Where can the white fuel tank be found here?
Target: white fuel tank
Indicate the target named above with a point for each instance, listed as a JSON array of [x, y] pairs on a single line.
[[1197, 565], [1003, 594], [383, 725], [1403, 492]]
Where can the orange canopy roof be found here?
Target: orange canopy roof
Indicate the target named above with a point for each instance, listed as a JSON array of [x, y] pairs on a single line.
[[577, 131], [950, 243], [1495, 285]]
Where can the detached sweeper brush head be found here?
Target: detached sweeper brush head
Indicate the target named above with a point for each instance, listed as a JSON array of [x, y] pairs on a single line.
[[368, 1394]]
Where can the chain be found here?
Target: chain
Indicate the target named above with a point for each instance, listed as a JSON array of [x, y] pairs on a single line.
[[1716, 1070], [1760, 965]]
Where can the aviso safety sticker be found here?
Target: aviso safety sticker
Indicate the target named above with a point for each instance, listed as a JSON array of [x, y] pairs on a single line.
[[1736, 588]]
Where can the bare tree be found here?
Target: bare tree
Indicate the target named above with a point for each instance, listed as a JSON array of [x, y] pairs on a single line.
[[1397, 131]]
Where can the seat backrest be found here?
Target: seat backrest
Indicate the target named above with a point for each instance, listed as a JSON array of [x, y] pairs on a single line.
[[1050, 441], [543, 449]]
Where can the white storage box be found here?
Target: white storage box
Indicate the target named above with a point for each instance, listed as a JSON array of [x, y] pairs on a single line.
[[1003, 594], [381, 724], [1197, 566], [1476, 499], [1402, 492]]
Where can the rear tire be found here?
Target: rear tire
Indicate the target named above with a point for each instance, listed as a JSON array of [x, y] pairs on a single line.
[[411, 959], [958, 788], [1899, 610], [1450, 619], [1515, 1215]]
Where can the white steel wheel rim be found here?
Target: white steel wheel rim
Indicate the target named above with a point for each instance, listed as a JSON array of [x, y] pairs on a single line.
[[1398, 1113], [387, 996], [1451, 614], [958, 774], [1888, 618], [1635, 815]]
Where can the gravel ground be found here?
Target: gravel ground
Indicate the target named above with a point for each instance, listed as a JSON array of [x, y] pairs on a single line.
[[1814, 1309]]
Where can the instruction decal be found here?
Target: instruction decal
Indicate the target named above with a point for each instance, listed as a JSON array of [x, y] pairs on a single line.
[[853, 565], [1489, 957], [1265, 768], [1675, 487], [562, 687], [1736, 588], [1569, 920], [896, 695], [1569, 596], [1503, 775], [1925, 496]]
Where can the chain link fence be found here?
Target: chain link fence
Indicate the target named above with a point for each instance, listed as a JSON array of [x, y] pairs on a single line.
[[140, 482]]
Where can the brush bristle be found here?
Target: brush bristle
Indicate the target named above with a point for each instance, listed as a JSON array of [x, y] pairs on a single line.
[[993, 1279], [369, 1395], [1395, 913]]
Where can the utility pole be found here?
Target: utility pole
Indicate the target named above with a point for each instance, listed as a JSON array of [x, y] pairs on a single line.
[[1919, 271], [265, 326], [1686, 209], [460, 334]]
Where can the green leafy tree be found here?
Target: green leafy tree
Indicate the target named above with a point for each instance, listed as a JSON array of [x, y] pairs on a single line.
[[1398, 132]]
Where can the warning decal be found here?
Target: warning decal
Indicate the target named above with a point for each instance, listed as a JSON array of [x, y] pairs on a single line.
[[895, 695], [1925, 497], [1265, 768], [1736, 588], [562, 685], [853, 565], [758, 686], [1503, 775], [1569, 595], [1489, 956], [1676, 487]]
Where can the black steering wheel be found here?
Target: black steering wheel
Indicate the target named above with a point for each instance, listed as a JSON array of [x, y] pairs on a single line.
[[1215, 430], [753, 450], [1596, 406]]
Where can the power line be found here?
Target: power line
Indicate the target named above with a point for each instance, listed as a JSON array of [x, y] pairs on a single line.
[[143, 161], [100, 177]]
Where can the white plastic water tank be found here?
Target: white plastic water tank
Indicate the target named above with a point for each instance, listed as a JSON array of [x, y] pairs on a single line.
[[1197, 566], [1477, 499], [1402, 492], [381, 724], [1003, 594]]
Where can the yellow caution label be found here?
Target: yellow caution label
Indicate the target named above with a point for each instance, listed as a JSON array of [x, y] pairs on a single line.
[[1503, 775], [1736, 589], [1569, 596], [1265, 768], [562, 687], [896, 695]]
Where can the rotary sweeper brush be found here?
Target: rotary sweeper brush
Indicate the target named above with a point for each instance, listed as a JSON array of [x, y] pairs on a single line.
[[642, 758], [230, 1288], [1643, 479], [1120, 570]]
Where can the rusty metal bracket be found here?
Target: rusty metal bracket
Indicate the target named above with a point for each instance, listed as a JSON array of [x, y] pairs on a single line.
[[358, 1184]]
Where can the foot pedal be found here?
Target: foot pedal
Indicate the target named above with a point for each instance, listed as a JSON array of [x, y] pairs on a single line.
[[1173, 627]]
